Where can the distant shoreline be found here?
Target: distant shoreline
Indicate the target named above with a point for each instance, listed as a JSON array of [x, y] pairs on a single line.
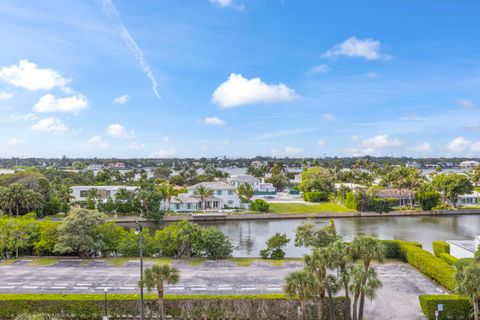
[[277, 216]]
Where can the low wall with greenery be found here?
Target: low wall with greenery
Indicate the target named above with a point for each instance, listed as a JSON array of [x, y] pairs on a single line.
[[454, 306], [440, 247], [91, 306]]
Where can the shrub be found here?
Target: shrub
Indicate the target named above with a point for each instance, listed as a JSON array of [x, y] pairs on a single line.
[[214, 244], [429, 265], [260, 205], [460, 263], [274, 247], [448, 258], [440, 247], [427, 200], [382, 204], [315, 196], [454, 306], [392, 249], [350, 201]]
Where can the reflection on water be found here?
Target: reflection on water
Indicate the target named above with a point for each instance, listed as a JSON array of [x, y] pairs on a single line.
[[249, 237]]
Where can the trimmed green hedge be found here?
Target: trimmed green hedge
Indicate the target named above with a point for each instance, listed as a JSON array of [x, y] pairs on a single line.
[[315, 196], [448, 258], [454, 306], [440, 247], [90, 306], [429, 265], [393, 249]]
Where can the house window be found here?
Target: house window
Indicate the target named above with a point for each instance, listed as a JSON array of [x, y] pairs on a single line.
[[83, 193], [189, 206], [177, 206], [230, 192], [219, 192], [230, 202]]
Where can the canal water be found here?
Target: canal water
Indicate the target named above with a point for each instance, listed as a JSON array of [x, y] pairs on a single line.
[[249, 237]]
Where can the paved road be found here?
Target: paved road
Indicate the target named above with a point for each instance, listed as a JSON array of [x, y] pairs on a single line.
[[397, 299]]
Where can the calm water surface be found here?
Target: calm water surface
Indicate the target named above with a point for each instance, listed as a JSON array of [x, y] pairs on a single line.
[[249, 237]]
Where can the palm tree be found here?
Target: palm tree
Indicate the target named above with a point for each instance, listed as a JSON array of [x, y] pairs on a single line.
[[167, 191], [468, 284], [316, 264], [363, 283], [155, 278], [366, 248], [39, 316], [246, 192], [203, 192], [301, 285], [32, 200], [15, 196]]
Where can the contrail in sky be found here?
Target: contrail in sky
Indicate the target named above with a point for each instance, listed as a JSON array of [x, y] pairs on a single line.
[[111, 11]]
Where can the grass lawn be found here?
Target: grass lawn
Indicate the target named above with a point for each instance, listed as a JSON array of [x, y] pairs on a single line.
[[246, 262], [307, 208]]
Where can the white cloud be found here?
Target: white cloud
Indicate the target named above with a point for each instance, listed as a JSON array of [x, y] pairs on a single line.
[[213, 121], [328, 117], [50, 103], [353, 47], [164, 153], [322, 68], [28, 76], [459, 144], [466, 104], [137, 146], [475, 147], [321, 142], [121, 99], [289, 150], [423, 147], [51, 124], [13, 142], [111, 11], [119, 131], [97, 142], [237, 91], [376, 146], [4, 95], [227, 4], [24, 117]]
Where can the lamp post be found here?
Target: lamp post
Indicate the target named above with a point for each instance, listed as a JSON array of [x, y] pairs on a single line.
[[105, 316], [139, 230]]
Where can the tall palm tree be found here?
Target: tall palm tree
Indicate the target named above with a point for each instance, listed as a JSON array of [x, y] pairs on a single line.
[[15, 196], [301, 285], [468, 284], [363, 283], [155, 278], [38, 316], [246, 192], [367, 248], [32, 200], [203, 192], [316, 264], [167, 191]]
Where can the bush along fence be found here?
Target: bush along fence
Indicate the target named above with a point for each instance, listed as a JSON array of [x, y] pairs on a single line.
[[91, 307]]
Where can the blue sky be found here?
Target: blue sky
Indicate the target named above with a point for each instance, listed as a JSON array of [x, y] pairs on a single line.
[[239, 78]]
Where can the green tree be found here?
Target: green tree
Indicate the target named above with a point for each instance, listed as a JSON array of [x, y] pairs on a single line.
[[468, 284], [364, 283], [366, 248], [427, 199], [80, 234], [167, 191], [451, 185], [274, 247], [307, 236], [155, 278], [300, 285], [279, 181], [246, 192], [317, 179], [203, 193], [48, 233], [129, 244], [214, 244], [179, 239]]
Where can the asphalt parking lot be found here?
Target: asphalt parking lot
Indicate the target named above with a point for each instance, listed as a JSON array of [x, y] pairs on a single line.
[[397, 299]]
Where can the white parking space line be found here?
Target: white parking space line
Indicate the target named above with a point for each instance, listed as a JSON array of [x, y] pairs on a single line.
[[84, 284], [176, 288], [248, 288], [274, 289], [80, 288], [198, 288], [57, 288], [7, 287], [61, 284], [127, 288], [29, 287], [224, 288], [14, 283]]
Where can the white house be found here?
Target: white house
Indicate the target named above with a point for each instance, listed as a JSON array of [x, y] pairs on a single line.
[[239, 179], [464, 248], [471, 199], [224, 196], [80, 193], [469, 164]]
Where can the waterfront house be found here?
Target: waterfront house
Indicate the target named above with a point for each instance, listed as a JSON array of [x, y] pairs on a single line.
[[239, 179], [471, 199], [80, 193], [469, 164]]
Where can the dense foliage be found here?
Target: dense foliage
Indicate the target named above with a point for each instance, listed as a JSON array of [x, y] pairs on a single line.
[[440, 247], [260, 205], [454, 306], [275, 246], [315, 196], [427, 200]]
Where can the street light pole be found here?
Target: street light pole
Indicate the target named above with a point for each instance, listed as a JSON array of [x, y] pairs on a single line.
[[139, 229], [105, 317]]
